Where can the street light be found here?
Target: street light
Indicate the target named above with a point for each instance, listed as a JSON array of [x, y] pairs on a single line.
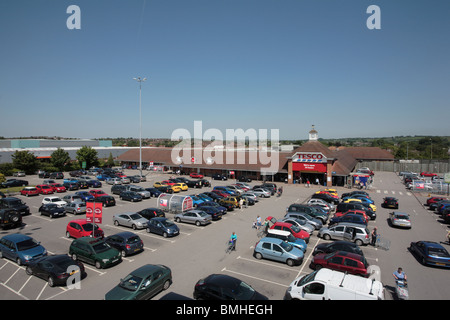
[[138, 79]]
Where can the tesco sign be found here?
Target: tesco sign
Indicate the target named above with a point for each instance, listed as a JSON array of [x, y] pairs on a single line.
[[310, 157]]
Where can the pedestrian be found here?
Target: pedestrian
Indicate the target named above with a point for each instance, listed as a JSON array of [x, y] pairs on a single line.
[[374, 235], [241, 203], [317, 181], [258, 222], [307, 183]]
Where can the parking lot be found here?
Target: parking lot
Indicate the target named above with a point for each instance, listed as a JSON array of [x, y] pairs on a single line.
[[199, 251]]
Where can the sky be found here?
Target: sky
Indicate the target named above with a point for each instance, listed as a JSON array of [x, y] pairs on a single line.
[[250, 64]]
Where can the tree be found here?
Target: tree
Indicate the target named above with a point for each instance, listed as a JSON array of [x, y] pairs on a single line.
[[26, 161], [110, 162], [60, 158], [88, 155]]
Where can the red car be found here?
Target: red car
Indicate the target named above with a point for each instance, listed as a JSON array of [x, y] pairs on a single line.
[[434, 200], [196, 175], [428, 174], [57, 187], [81, 228], [44, 189], [98, 193], [360, 212], [168, 182], [341, 261], [29, 191], [220, 193], [294, 230]]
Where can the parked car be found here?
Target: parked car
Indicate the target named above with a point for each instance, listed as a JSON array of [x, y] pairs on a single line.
[[29, 191], [430, 253], [92, 183], [162, 226], [325, 196], [349, 217], [10, 218], [44, 189], [130, 196], [142, 283], [434, 200], [216, 205], [117, 189], [330, 247], [55, 269], [130, 219], [9, 183], [52, 210], [127, 243], [57, 187], [21, 248], [115, 181], [294, 230], [214, 212], [196, 175], [400, 219], [260, 192], [81, 228], [302, 224], [197, 217], [165, 189], [343, 261], [346, 231], [278, 250], [94, 251], [54, 199], [153, 192], [306, 217], [75, 208], [71, 186], [19, 174], [106, 200], [224, 287], [84, 195], [219, 176], [150, 213], [287, 237], [390, 202], [16, 204], [139, 190], [56, 175]]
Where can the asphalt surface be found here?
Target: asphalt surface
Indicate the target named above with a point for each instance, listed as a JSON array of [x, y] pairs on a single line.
[[200, 251]]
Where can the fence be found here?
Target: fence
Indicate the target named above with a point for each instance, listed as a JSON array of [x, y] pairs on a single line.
[[418, 166]]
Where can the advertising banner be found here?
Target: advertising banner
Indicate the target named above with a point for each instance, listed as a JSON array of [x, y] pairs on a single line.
[[313, 167], [94, 212]]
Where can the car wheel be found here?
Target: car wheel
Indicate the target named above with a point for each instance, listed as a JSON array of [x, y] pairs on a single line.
[[359, 242], [123, 253], [67, 234], [116, 223], [148, 230], [19, 261], [258, 256], [290, 262], [51, 281], [165, 235], [177, 219], [98, 265], [134, 227], [166, 285], [74, 257], [326, 236], [197, 223], [28, 271]]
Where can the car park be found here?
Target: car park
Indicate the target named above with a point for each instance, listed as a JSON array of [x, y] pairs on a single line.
[[400, 219], [278, 250], [130, 219], [430, 253], [52, 210], [44, 189], [81, 228], [197, 217], [94, 251], [142, 283], [57, 270], [162, 226], [29, 191], [128, 243], [21, 248], [225, 287], [343, 261]]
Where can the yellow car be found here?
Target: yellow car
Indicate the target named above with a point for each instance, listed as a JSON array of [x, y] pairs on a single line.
[[372, 206], [332, 191], [159, 184], [183, 186], [175, 188]]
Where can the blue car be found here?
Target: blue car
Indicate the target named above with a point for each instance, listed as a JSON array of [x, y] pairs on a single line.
[[430, 253], [360, 197], [153, 192], [196, 200], [222, 209], [94, 183], [21, 248], [205, 197], [84, 195]]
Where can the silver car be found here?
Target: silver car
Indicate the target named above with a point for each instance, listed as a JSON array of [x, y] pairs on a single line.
[[305, 217], [125, 180], [400, 219], [144, 193], [260, 192], [130, 219], [302, 224], [251, 196], [346, 231], [114, 181], [198, 217], [75, 208]]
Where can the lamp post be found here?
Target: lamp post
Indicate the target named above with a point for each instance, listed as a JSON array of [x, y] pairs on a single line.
[[138, 79]]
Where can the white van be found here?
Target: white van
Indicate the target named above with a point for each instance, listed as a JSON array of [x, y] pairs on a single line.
[[326, 284]]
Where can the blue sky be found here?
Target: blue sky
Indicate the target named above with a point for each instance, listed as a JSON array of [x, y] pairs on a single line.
[[262, 64]]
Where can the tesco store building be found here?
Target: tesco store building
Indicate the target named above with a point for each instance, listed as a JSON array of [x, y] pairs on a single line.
[[310, 165]]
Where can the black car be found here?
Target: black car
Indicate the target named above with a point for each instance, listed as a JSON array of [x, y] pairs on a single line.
[[82, 184], [10, 218], [223, 287], [220, 207], [107, 201], [213, 196], [150, 213], [326, 197], [330, 247], [44, 174], [205, 182], [118, 188], [56, 269], [70, 186], [13, 183], [52, 210], [165, 189], [94, 183], [153, 192], [193, 183], [313, 212], [244, 179], [214, 212], [346, 206], [56, 175], [16, 204], [126, 242], [349, 194], [218, 176], [390, 202], [130, 196]]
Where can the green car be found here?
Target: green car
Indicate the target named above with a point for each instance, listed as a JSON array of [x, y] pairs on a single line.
[[94, 251], [143, 283]]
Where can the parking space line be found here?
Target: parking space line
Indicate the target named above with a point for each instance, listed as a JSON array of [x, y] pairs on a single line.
[[29, 278], [246, 275], [12, 275], [266, 263], [12, 290]]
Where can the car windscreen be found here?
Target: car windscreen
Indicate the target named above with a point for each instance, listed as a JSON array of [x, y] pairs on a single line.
[[438, 252], [135, 216], [101, 247], [286, 246], [133, 240], [167, 223], [243, 292], [27, 244], [131, 282]]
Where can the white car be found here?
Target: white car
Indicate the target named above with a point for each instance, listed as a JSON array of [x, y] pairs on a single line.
[[114, 181], [319, 202], [56, 200]]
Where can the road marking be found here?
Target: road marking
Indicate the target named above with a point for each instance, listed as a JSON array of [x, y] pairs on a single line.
[[246, 275], [266, 263]]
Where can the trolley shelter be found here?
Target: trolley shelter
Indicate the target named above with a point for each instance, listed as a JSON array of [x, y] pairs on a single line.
[[174, 203]]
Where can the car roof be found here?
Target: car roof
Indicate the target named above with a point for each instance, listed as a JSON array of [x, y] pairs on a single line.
[[16, 237], [146, 269]]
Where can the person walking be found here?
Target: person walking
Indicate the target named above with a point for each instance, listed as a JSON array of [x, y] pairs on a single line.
[[258, 222], [374, 235]]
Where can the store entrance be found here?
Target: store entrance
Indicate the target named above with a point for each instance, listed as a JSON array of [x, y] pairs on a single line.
[[313, 177]]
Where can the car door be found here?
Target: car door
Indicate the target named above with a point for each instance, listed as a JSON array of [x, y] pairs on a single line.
[[77, 230], [9, 250], [85, 253], [277, 253], [337, 232], [349, 234], [335, 263], [43, 269]]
